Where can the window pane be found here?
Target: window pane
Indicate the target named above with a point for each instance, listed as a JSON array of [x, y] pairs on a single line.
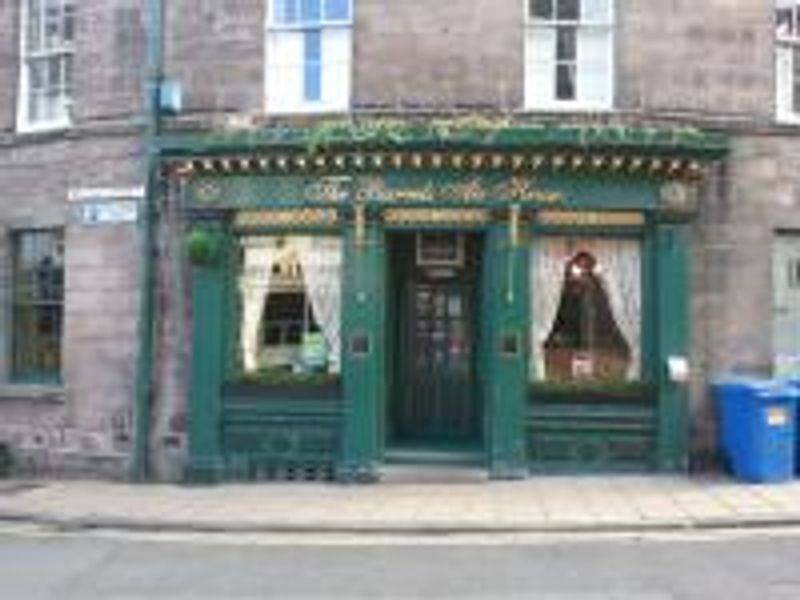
[[566, 43], [337, 10], [312, 79], [34, 16], [284, 12], [596, 11], [541, 9], [38, 284], [52, 23], [290, 307], [310, 11], [69, 22], [569, 10], [796, 80], [540, 70], [594, 66], [565, 82], [587, 312]]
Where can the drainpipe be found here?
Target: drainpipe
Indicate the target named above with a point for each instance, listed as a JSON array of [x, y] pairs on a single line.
[[144, 363]]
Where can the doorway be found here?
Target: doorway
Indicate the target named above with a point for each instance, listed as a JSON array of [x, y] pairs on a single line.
[[433, 317]]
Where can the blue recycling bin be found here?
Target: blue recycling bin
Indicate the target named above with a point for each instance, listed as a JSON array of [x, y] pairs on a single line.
[[758, 424], [795, 383]]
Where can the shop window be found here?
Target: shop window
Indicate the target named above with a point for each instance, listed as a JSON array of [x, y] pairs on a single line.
[[586, 310], [787, 57], [46, 70], [308, 55], [37, 305], [569, 54], [290, 308]]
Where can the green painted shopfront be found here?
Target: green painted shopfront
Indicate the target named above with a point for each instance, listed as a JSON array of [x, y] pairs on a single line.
[[511, 297]]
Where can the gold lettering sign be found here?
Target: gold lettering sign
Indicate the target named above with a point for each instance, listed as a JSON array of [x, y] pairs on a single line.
[[590, 218], [472, 190]]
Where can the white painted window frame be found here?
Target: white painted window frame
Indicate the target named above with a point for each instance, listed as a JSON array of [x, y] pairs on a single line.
[[307, 107], [24, 122], [534, 102], [787, 49]]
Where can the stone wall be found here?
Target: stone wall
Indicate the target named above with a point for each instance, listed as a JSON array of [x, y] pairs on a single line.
[[755, 193]]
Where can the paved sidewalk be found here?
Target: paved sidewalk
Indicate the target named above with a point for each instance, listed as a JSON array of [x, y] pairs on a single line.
[[542, 504]]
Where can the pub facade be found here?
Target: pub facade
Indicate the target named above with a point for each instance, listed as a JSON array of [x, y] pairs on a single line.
[[514, 298]]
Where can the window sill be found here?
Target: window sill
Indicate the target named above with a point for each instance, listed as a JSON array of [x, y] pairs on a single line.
[[43, 128], [567, 108], [788, 120], [309, 109], [48, 393]]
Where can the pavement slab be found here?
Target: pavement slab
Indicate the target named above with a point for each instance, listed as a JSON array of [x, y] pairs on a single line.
[[546, 504]]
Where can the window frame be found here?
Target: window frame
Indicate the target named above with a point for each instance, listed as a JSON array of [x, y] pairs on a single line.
[[34, 375], [272, 27], [785, 112], [534, 102], [25, 124]]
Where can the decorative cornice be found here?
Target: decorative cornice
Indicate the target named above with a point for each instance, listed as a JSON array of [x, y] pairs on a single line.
[[577, 162]]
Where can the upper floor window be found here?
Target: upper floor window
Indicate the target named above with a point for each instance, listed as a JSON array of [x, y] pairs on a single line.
[[37, 304], [308, 55], [569, 54], [787, 71], [46, 72]]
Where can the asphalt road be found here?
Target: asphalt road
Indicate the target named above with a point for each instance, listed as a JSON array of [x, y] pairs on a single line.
[[760, 566]]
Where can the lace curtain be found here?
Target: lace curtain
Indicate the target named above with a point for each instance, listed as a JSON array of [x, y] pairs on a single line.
[[259, 257], [321, 260], [619, 271], [549, 257]]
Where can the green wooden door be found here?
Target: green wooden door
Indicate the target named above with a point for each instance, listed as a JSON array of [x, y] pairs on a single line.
[[436, 401]]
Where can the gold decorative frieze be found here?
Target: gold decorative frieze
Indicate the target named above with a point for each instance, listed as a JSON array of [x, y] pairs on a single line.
[[671, 167], [590, 218], [302, 217], [436, 216]]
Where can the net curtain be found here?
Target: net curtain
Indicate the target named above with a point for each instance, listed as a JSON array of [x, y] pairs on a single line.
[[321, 262]]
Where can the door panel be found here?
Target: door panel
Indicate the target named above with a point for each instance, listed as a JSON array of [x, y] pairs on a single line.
[[436, 398], [786, 305]]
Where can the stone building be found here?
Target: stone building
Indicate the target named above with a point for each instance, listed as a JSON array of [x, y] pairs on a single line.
[[525, 235]]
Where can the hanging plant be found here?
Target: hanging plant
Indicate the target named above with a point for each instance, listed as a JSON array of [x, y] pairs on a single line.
[[203, 247]]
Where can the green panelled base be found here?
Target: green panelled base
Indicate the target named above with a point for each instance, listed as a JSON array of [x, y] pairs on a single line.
[[590, 438], [280, 440]]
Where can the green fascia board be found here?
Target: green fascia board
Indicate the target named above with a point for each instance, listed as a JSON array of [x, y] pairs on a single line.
[[688, 142]]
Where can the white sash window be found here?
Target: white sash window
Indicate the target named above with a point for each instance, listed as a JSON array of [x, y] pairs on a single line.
[[308, 55], [46, 49], [787, 60], [569, 54]]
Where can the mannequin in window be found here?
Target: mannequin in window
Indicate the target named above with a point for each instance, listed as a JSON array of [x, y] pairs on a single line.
[[585, 342]]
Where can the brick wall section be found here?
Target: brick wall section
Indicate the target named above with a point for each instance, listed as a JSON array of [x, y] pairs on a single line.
[[754, 194], [110, 58], [216, 50], [100, 333], [87, 422], [432, 54], [711, 57], [9, 53]]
